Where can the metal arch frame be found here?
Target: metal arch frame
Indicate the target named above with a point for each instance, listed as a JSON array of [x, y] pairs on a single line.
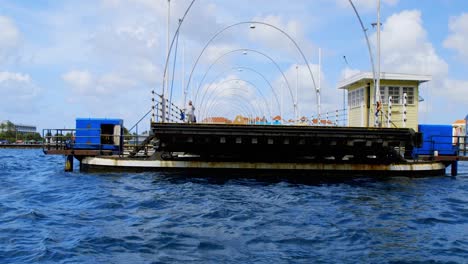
[[246, 50], [238, 108], [230, 80], [167, 63], [252, 70], [242, 108], [371, 56], [267, 107], [250, 114], [265, 24], [364, 30], [252, 22], [256, 110], [235, 107], [210, 103]]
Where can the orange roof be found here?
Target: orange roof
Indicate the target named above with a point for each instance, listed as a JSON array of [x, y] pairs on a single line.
[[217, 119], [459, 121], [277, 118]]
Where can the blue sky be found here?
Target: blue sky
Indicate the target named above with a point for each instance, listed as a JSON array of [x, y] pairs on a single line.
[[60, 60]]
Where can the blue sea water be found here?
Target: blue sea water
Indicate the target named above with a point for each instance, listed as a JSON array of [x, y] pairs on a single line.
[[49, 216]]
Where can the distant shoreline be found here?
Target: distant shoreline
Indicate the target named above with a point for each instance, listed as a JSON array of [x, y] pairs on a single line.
[[20, 146]]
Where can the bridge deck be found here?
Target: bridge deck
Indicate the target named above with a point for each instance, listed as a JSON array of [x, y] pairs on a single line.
[[270, 143]]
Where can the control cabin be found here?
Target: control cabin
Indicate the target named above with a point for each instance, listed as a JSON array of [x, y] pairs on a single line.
[[361, 99]]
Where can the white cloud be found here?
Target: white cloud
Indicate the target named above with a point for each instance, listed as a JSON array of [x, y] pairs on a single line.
[[409, 50], [10, 39], [18, 92], [83, 83], [78, 79], [454, 91], [348, 72], [458, 37]]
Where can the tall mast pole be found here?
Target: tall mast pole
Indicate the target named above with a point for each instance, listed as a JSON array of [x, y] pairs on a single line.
[[377, 86], [295, 101], [183, 74], [167, 52], [319, 80]]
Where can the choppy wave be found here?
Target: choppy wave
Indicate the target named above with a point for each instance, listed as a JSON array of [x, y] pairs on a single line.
[[48, 216]]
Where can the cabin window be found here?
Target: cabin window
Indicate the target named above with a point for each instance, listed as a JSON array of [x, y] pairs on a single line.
[[356, 98], [396, 92], [409, 95], [107, 132]]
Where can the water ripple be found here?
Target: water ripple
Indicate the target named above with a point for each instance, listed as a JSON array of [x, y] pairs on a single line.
[[48, 216]]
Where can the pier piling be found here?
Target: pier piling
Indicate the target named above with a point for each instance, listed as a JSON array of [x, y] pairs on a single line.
[[69, 163], [454, 168]]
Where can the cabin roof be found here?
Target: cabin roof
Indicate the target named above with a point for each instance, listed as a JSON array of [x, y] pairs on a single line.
[[363, 76]]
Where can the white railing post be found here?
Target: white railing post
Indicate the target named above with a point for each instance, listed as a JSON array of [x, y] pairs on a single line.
[[389, 111], [326, 121], [336, 118], [405, 97]]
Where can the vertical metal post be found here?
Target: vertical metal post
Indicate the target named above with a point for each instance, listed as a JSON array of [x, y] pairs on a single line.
[[295, 101], [183, 74], [389, 111], [166, 81], [319, 87], [137, 137], [336, 118], [377, 84], [153, 106], [404, 109]]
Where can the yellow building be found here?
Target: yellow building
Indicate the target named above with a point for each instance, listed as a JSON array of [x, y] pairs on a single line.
[[394, 86]]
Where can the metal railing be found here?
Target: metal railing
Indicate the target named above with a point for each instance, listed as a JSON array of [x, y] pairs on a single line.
[[65, 139], [447, 145], [173, 113], [329, 118]]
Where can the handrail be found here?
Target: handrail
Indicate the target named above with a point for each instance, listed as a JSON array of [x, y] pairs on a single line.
[[385, 114], [458, 144], [140, 120]]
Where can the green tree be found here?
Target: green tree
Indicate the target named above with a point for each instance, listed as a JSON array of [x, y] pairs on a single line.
[[10, 126]]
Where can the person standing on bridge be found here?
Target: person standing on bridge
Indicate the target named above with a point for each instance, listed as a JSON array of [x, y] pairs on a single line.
[[190, 111]]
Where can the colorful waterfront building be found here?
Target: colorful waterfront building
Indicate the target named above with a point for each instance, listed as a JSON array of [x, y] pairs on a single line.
[[19, 128]]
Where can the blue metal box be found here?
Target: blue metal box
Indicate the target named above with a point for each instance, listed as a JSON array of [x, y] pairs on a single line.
[[99, 133], [436, 138]]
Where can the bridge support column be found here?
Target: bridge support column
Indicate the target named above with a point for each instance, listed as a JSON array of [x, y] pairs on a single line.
[[69, 163], [454, 168]]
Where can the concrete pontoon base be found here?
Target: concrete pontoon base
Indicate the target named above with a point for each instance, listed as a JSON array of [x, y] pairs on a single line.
[[410, 168]]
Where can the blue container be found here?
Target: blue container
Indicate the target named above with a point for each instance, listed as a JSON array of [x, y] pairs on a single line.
[[99, 133], [436, 138]]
